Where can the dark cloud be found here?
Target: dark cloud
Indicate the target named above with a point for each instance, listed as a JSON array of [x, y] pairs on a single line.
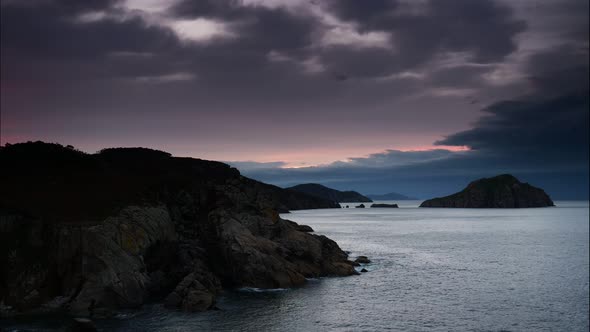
[[554, 131], [452, 26], [363, 11], [63, 6], [550, 124], [559, 70], [395, 158], [51, 31], [228, 9], [257, 27], [360, 63], [469, 76]]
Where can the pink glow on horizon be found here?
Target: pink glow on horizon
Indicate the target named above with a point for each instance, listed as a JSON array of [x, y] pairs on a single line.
[[437, 147], [322, 157], [296, 157]]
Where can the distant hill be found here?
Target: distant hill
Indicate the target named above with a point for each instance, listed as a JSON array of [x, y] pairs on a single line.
[[502, 191], [390, 197], [320, 191]]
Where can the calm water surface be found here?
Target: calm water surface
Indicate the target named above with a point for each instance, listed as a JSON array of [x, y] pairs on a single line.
[[432, 270]]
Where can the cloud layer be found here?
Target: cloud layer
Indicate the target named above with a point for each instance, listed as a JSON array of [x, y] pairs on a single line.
[[296, 83]]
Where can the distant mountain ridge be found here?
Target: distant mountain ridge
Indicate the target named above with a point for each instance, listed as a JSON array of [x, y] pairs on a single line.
[[389, 197], [324, 192]]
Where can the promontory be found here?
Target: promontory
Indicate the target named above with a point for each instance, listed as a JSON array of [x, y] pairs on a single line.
[[88, 234]]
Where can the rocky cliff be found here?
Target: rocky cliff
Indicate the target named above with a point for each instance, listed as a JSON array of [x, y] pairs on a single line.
[[323, 192], [89, 234], [502, 191]]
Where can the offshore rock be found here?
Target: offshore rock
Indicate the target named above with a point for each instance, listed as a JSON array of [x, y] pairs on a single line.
[[362, 260], [383, 205], [502, 191]]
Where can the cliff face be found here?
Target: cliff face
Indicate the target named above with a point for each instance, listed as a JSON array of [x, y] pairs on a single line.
[[89, 234], [502, 191], [317, 190]]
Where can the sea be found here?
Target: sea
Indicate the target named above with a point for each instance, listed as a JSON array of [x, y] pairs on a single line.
[[431, 269]]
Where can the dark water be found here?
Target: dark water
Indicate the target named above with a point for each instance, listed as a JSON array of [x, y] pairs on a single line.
[[432, 270]]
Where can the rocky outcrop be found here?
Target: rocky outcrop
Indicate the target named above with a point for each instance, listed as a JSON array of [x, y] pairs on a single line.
[[382, 205], [502, 191], [89, 234], [362, 260], [323, 192], [196, 292]]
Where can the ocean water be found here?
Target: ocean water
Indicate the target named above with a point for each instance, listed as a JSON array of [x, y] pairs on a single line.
[[431, 270]]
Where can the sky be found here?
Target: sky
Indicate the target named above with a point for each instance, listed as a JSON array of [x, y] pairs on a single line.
[[418, 97]]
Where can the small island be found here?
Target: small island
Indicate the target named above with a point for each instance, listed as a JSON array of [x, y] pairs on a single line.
[[502, 191], [383, 205]]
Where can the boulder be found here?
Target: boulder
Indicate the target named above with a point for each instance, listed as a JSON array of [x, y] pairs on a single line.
[[362, 260]]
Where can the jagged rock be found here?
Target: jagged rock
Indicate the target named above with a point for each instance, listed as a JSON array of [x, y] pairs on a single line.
[[305, 228], [382, 205], [362, 260], [191, 294], [301, 228], [197, 300], [502, 191]]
